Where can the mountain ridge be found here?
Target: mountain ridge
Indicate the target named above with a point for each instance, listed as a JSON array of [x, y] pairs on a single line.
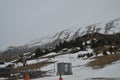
[[68, 34], [110, 27]]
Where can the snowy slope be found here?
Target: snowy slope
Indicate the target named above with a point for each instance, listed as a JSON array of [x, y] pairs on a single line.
[[110, 27], [83, 73], [79, 68], [80, 71]]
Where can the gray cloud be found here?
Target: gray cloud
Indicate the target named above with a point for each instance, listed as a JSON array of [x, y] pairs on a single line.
[[24, 20]]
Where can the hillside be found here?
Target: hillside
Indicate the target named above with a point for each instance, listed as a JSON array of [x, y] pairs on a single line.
[[93, 51], [82, 68], [94, 61], [110, 27], [82, 72]]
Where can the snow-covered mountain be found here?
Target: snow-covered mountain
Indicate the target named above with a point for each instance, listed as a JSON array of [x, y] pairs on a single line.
[[110, 27], [79, 66]]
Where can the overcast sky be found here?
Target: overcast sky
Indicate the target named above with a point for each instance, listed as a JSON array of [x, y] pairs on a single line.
[[24, 20]]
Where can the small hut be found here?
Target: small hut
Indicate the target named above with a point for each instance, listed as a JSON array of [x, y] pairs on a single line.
[[64, 68]]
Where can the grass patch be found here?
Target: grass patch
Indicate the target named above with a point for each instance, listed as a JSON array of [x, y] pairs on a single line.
[[32, 66], [102, 61]]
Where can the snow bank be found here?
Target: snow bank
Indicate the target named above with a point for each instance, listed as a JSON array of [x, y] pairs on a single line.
[[80, 72]]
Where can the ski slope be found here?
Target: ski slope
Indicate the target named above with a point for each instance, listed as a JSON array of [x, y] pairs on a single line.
[[79, 68], [80, 71]]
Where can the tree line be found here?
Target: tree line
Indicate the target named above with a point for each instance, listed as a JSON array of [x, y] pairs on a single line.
[[78, 42]]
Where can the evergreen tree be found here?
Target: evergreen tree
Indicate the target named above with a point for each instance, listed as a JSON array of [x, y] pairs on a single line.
[[99, 43], [38, 53], [60, 46], [46, 51], [105, 53], [56, 48], [94, 44], [110, 50]]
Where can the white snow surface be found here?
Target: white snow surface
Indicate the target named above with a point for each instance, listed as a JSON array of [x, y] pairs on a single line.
[[80, 71], [84, 73], [2, 78]]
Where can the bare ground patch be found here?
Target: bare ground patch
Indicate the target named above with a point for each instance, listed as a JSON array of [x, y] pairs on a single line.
[[32, 66], [102, 61]]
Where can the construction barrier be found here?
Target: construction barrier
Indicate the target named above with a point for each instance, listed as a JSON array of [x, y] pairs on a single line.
[[27, 77], [60, 77]]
